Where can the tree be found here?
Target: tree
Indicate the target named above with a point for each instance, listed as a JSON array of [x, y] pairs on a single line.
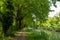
[[24, 11], [54, 2], [7, 16], [28, 8]]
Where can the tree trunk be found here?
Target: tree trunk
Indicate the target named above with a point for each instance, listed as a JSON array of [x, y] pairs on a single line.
[[19, 18]]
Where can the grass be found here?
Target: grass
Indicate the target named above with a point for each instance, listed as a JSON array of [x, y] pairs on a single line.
[[43, 35], [55, 36]]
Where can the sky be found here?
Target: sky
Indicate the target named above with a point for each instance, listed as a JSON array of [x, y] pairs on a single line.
[[56, 10]]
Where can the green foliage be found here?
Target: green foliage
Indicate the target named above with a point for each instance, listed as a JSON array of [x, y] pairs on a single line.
[[43, 35], [52, 23], [38, 35], [39, 8], [7, 15], [1, 3], [58, 0], [36, 7], [27, 8]]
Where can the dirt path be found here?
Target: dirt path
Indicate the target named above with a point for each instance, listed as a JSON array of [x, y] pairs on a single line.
[[20, 36]]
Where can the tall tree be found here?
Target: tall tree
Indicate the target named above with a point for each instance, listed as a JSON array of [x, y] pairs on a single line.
[[7, 16]]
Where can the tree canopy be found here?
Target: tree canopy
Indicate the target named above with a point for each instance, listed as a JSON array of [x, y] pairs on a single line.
[[23, 11]]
